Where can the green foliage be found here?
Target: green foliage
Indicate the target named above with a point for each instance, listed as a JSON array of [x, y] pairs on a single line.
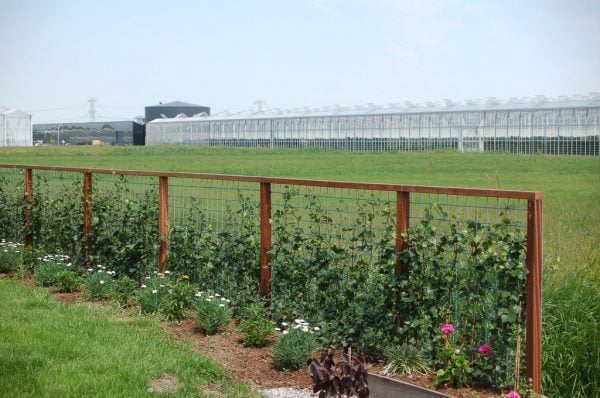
[[256, 326], [57, 215], [11, 207], [471, 274], [571, 332], [166, 295], [293, 349], [152, 294], [405, 360], [348, 288], [67, 281], [213, 312], [178, 299], [456, 370], [99, 283], [124, 229], [223, 260], [125, 289], [11, 256], [48, 268]]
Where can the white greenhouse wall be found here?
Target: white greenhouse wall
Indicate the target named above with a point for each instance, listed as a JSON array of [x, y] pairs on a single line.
[[559, 131], [15, 128]]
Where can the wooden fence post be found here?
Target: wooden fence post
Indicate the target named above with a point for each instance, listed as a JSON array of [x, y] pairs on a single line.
[[163, 222], [402, 224], [533, 349], [87, 216], [265, 237], [28, 202]]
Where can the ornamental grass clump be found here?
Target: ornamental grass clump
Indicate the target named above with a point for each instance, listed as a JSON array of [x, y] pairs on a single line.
[[294, 347], [405, 360], [213, 312]]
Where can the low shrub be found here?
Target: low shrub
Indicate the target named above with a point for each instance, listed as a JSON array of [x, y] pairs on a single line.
[[99, 283], [11, 256], [48, 268], [179, 297], [125, 289], [213, 312], [164, 295], [151, 294], [256, 331], [293, 349], [67, 281]]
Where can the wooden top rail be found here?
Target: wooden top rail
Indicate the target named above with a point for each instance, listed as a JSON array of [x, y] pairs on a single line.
[[496, 193]]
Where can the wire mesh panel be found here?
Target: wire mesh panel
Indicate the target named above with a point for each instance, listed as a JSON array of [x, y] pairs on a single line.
[[124, 230], [333, 259], [57, 213], [466, 265], [214, 236], [12, 190]]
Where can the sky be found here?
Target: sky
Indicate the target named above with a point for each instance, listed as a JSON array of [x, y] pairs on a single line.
[[227, 54]]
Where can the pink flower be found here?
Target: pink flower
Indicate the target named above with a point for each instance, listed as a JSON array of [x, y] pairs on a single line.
[[448, 328], [485, 349], [513, 394]]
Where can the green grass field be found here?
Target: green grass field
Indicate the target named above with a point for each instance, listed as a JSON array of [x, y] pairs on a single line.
[[571, 186], [50, 349]]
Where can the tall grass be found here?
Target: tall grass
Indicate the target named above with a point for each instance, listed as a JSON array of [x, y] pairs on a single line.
[[49, 349], [571, 331]]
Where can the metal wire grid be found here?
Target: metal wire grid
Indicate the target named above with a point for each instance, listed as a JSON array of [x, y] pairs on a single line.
[[12, 189], [57, 211], [482, 210], [216, 200], [125, 187], [338, 209]]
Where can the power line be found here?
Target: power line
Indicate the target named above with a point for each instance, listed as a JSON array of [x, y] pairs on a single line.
[[56, 109]]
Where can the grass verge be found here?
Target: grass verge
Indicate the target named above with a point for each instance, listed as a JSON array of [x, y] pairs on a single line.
[[51, 349]]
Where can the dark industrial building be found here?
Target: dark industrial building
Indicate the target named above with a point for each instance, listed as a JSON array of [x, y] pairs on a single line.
[[121, 132]]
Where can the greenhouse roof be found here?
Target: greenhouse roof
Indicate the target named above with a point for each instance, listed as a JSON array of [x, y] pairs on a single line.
[[539, 102], [5, 111]]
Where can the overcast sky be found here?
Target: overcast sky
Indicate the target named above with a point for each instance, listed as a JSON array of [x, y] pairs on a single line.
[[290, 53]]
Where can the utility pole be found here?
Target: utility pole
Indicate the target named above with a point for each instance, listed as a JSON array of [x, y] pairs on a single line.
[[92, 111]]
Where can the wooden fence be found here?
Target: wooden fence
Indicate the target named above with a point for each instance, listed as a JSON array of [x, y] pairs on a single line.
[[403, 205]]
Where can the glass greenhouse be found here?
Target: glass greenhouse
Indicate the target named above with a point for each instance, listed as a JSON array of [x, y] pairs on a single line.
[[569, 126], [15, 128]]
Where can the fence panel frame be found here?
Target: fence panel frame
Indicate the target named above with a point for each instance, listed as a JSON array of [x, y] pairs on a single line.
[[534, 199]]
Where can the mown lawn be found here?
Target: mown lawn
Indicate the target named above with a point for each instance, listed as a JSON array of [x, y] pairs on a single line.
[[51, 349]]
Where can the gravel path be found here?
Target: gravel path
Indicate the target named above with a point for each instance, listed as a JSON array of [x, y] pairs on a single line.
[[288, 393]]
